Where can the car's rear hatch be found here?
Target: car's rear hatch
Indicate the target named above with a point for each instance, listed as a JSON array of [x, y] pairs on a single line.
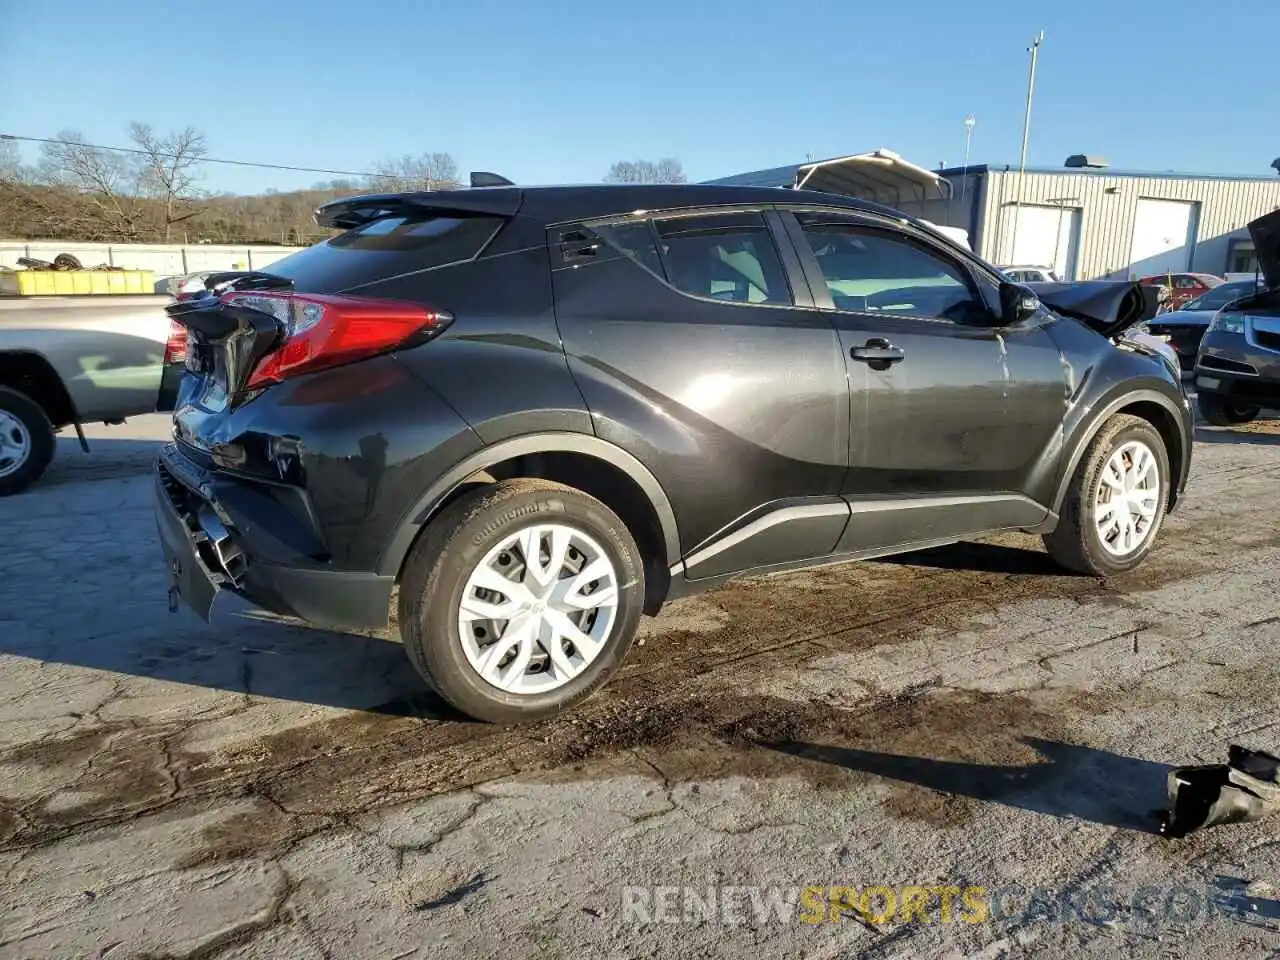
[[320, 307]]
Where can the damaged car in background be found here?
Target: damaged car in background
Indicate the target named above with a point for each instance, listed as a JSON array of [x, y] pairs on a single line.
[[535, 414], [1237, 370]]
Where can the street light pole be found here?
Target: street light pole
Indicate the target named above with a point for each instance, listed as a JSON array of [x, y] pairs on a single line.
[[1034, 49], [969, 123]]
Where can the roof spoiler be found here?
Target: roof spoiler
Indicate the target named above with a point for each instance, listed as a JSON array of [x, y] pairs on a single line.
[[354, 211]]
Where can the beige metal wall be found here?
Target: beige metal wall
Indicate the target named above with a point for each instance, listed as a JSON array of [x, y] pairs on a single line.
[[1108, 204]]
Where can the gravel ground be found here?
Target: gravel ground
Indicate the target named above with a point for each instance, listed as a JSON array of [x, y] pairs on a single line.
[[967, 727]]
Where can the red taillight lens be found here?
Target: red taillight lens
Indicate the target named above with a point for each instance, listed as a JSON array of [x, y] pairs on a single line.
[[322, 331], [175, 347]]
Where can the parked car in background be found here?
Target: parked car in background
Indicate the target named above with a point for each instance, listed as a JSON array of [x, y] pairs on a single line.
[[66, 361], [542, 412], [1237, 372], [1029, 274], [1181, 287], [1184, 327]]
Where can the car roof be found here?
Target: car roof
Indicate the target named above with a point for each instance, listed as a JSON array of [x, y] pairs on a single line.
[[560, 204]]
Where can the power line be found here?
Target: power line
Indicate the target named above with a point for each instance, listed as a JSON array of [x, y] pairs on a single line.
[[172, 156]]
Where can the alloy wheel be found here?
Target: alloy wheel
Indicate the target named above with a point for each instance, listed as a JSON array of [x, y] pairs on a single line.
[[15, 443]]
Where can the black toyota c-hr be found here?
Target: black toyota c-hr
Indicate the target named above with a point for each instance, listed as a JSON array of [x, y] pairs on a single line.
[[541, 413]]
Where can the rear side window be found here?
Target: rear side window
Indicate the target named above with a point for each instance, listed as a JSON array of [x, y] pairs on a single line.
[[384, 248], [635, 238], [723, 257]]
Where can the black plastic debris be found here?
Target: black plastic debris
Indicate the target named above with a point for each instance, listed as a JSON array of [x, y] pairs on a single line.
[[1245, 788]]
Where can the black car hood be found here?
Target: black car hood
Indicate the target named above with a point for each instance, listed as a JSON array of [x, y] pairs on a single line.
[[1266, 244], [1108, 306]]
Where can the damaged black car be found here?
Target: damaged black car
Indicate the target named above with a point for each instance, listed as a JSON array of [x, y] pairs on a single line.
[[529, 416]]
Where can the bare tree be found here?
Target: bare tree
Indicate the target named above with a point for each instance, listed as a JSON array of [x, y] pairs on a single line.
[[11, 169], [666, 170], [427, 171], [108, 183], [169, 170]]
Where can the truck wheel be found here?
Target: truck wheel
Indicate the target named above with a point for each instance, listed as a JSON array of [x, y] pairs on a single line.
[[1116, 501], [521, 599], [1222, 411], [26, 441]]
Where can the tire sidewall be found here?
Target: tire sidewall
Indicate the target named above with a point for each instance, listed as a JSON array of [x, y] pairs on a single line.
[[40, 432], [1100, 556], [439, 634], [1220, 410]]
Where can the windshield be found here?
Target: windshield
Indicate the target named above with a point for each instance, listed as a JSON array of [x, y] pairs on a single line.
[[1221, 295]]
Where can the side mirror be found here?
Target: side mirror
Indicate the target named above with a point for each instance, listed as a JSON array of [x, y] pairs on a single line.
[[1017, 304]]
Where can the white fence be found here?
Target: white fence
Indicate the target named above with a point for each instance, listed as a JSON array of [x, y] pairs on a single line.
[[164, 259]]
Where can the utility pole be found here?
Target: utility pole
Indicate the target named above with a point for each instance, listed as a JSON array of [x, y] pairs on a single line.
[[1034, 50]]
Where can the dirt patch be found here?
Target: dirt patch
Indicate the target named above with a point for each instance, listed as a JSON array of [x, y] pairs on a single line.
[[266, 830], [680, 696]]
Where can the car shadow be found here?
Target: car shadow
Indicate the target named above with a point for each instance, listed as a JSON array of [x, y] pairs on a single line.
[[1069, 781], [1228, 435], [107, 458], [981, 557]]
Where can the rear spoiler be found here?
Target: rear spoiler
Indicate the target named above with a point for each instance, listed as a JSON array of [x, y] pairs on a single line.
[[354, 211]]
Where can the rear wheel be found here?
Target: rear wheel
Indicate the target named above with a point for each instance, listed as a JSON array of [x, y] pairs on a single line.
[[1223, 411], [521, 599], [1116, 501], [26, 441]]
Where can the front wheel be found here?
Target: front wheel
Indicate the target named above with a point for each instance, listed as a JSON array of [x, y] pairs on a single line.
[[521, 599], [26, 441], [1116, 501], [1221, 411]]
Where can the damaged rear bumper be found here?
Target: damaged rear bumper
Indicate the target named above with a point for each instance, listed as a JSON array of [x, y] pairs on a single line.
[[218, 533]]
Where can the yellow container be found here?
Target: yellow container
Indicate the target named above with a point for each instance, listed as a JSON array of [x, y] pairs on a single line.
[[70, 283]]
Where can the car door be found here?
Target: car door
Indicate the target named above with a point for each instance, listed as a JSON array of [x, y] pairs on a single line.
[[960, 411], [697, 350]]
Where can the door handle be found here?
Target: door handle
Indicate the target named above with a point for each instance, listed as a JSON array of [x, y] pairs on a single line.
[[878, 352]]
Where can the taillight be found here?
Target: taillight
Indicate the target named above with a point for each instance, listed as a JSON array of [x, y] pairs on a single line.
[[321, 331], [175, 347]]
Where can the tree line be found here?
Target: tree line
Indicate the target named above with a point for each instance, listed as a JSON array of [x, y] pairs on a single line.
[[152, 191]]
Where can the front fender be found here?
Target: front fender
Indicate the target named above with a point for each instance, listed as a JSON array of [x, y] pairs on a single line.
[[1164, 405]]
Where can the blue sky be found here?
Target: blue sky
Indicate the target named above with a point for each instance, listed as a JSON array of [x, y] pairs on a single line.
[[556, 91]]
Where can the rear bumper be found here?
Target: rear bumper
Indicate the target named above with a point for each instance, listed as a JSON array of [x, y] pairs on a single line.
[[217, 534]]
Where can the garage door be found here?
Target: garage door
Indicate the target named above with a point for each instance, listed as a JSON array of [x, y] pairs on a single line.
[[1164, 236], [1046, 236]]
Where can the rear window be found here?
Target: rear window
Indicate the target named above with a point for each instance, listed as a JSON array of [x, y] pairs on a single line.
[[387, 247]]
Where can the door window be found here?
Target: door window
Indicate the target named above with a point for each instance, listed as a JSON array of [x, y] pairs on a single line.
[[874, 271], [723, 257]]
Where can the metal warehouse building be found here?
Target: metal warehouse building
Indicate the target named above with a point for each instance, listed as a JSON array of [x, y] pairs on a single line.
[[1085, 223]]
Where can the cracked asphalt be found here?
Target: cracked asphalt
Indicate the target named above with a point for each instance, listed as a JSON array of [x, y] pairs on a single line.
[[965, 718]]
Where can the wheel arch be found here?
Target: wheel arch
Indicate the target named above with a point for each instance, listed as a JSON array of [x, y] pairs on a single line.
[[1158, 409], [595, 466], [31, 373]]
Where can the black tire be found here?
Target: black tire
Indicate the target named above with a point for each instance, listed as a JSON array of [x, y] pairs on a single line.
[[1222, 411], [39, 437], [1076, 543], [443, 558]]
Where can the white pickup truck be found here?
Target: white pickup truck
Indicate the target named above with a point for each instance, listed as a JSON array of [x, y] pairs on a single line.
[[66, 361]]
